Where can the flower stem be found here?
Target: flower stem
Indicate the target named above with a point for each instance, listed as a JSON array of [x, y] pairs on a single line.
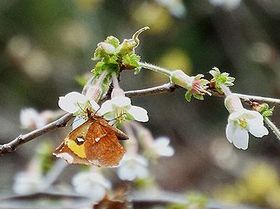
[[258, 98], [92, 89], [131, 145], [53, 174], [155, 68], [226, 90], [273, 127], [115, 81]]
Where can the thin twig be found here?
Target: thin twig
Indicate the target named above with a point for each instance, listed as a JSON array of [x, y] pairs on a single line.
[[257, 98], [165, 88], [61, 122], [23, 138], [273, 127], [155, 68]]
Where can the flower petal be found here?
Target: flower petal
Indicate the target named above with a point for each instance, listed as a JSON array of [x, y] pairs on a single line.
[[162, 141], [162, 147], [75, 97], [105, 108], [121, 101], [77, 122], [69, 102], [241, 138], [141, 171], [139, 113], [236, 114], [167, 151], [66, 106], [258, 131], [109, 116], [126, 173], [92, 185], [230, 131], [94, 105], [252, 114]]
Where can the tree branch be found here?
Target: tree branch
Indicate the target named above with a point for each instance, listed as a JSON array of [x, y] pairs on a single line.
[[61, 122], [165, 88], [257, 98], [23, 138]]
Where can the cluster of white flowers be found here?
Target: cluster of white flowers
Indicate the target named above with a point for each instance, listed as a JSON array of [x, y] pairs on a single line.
[[32, 119], [161, 146], [91, 184], [133, 166], [27, 182], [117, 108]]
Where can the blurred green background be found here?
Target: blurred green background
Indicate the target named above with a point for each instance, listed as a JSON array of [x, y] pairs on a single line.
[[44, 45]]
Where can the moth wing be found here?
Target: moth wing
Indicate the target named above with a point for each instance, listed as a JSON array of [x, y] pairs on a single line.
[[102, 146], [64, 152], [121, 135]]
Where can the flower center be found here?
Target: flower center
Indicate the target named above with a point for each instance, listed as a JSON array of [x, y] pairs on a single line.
[[120, 114], [242, 122], [196, 88]]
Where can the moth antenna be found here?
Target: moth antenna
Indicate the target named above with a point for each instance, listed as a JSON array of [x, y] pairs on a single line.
[[81, 107], [115, 119]]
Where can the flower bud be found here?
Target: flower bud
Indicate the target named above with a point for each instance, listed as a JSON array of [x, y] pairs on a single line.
[[107, 48], [117, 92], [233, 103], [93, 92], [179, 78]]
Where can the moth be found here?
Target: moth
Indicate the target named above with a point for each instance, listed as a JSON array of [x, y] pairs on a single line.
[[95, 142]]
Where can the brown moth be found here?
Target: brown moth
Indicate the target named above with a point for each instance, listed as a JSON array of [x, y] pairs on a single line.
[[95, 142]]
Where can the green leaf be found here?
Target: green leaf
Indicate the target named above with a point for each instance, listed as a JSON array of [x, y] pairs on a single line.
[[98, 69], [99, 53], [221, 78], [131, 61], [137, 70], [198, 96], [268, 112], [113, 40], [111, 59], [188, 96]]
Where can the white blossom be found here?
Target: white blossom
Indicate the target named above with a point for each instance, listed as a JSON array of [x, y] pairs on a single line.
[[31, 119], [133, 166], [27, 182], [120, 108], [162, 147], [74, 102], [91, 184], [241, 122]]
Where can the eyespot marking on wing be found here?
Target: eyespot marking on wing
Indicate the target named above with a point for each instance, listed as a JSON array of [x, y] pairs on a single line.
[[79, 140]]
